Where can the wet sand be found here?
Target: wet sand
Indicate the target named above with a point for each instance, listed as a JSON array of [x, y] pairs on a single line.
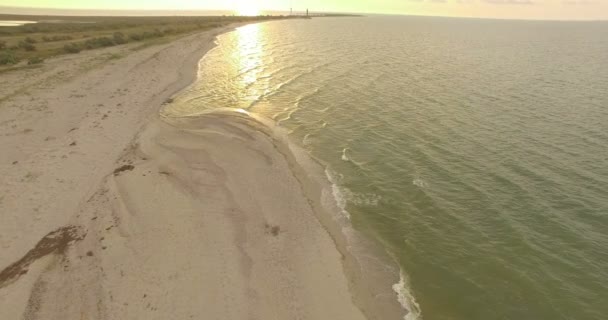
[[110, 212]]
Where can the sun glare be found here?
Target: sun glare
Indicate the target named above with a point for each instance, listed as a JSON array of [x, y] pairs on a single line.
[[246, 8]]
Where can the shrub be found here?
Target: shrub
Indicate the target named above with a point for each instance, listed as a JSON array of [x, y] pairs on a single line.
[[61, 38], [56, 38], [98, 42], [136, 36], [157, 33], [119, 38], [35, 60], [30, 40], [72, 48], [27, 46], [30, 28], [8, 57]]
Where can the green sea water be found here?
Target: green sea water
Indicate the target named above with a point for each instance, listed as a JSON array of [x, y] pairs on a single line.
[[474, 151]]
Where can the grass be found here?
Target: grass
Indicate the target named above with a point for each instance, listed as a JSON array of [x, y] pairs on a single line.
[[60, 35]]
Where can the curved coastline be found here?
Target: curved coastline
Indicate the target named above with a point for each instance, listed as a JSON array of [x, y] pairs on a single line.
[[161, 234], [373, 278], [173, 225], [378, 286]]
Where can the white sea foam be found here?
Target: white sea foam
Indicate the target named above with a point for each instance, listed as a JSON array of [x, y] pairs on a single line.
[[288, 116], [406, 299], [361, 199], [344, 156], [419, 183], [306, 140], [337, 194]]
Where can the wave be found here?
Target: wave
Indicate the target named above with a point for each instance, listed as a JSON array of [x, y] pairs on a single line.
[[277, 88], [406, 299], [418, 182], [337, 194], [306, 140], [344, 156], [361, 199], [348, 158]]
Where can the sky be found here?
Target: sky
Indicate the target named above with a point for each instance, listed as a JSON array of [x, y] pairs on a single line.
[[506, 9]]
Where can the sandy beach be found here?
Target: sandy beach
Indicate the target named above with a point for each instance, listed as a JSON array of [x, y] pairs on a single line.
[[109, 212]]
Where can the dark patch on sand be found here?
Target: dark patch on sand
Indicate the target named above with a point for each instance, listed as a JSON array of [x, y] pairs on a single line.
[[55, 242], [35, 301], [126, 167], [273, 230]]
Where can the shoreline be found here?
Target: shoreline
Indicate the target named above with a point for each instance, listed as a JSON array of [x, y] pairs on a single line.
[[125, 256]]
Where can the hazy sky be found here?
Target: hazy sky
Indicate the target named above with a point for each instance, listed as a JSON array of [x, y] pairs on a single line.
[[520, 9]]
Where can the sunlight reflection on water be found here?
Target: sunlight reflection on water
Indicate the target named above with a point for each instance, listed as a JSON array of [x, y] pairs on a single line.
[[247, 58]]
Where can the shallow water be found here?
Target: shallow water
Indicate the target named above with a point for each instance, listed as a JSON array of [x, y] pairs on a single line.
[[473, 150]]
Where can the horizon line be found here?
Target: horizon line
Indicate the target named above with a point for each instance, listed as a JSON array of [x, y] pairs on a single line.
[[265, 11]]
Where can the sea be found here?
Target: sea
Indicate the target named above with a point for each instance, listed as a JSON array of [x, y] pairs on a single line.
[[473, 152]]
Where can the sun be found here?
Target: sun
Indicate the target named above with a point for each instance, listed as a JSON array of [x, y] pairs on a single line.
[[247, 8]]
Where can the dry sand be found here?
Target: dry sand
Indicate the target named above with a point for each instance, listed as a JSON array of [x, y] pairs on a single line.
[[108, 212]]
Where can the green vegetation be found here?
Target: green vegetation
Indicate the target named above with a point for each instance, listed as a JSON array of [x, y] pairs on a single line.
[[119, 38], [27, 46], [55, 38], [99, 43], [71, 48], [8, 57], [58, 35]]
